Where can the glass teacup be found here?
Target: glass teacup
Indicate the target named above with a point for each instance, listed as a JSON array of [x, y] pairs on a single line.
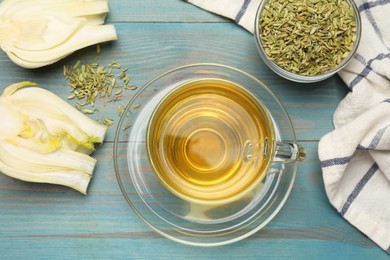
[[211, 154], [211, 141]]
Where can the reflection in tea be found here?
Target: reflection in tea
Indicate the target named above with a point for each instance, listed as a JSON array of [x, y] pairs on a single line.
[[208, 141]]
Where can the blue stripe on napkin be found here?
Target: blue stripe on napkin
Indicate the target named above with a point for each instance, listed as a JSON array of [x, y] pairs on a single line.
[[359, 187], [367, 69], [369, 5], [335, 161], [366, 8], [377, 30], [375, 141], [242, 10]]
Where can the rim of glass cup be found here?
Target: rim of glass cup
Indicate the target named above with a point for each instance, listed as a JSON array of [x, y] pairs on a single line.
[[296, 77], [145, 220]]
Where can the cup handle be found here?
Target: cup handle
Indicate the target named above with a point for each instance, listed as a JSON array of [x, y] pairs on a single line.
[[289, 152]]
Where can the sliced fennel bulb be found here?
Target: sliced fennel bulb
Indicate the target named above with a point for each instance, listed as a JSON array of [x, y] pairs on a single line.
[[45, 139], [37, 33]]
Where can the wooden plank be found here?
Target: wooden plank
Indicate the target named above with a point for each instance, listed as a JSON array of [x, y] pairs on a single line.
[[51, 221], [159, 11]]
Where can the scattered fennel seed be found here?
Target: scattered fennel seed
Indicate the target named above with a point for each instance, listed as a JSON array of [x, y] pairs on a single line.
[[72, 96], [88, 111], [107, 121], [127, 127], [114, 64], [119, 110], [90, 82]]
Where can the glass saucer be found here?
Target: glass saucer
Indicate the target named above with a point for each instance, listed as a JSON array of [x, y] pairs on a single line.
[[180, 220]]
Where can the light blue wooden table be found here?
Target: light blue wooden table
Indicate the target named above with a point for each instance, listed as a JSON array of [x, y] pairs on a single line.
[[39, 221]]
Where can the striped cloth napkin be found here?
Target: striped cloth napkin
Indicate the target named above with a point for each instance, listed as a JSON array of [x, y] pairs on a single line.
[[355, 156]]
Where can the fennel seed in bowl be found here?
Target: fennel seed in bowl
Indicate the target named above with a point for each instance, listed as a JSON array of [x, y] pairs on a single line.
[[308, 37]]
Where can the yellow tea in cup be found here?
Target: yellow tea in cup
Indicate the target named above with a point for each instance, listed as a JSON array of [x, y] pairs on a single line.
[[209, 140]]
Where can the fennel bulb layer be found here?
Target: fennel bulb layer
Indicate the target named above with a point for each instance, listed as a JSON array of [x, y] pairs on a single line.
[[44, 139]]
